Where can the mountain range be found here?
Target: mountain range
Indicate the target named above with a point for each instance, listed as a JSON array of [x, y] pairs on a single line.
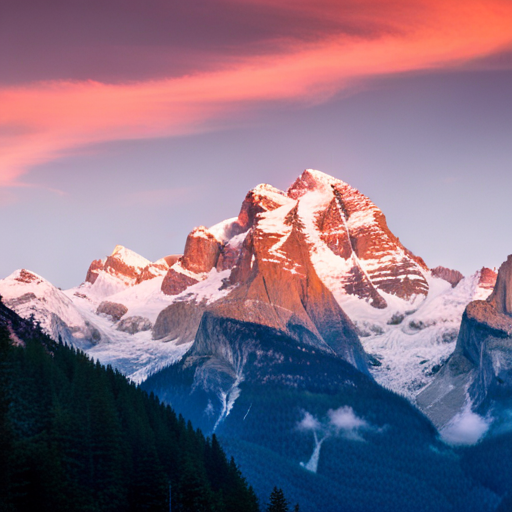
[[325, 354]]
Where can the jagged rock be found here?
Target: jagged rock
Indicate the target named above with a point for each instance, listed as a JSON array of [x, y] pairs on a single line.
[[501, 297], [26, 277], [134, 324], [487, 279], [356, 230], [178, 321], [454, 277], [201, 251], [176, 282], [152, 271], [263, 198], [125, 262], [281, 290], [112, 309], [94, 268]]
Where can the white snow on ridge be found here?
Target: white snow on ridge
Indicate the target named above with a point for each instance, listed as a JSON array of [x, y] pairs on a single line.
[[130, 257], [46, 299], [412, 340]]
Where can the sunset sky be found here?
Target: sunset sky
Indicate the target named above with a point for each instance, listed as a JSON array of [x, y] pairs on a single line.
[[130, 122]]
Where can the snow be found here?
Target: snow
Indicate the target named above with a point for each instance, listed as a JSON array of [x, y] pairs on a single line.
[[207, 291], [272, 193], [48, 300], [410, 351], [105, 285], [222, 230], [131, 258]]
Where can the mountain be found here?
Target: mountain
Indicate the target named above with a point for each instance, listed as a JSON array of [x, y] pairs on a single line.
[[277, 330], [478, 375], [310, 262]]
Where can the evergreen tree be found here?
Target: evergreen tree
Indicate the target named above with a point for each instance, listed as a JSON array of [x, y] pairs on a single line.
[[277, 502]]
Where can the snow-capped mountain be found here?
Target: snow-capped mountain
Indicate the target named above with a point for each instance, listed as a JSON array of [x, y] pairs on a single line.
[[317, 263]]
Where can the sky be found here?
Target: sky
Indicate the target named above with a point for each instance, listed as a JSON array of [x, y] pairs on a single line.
[[128, 122]]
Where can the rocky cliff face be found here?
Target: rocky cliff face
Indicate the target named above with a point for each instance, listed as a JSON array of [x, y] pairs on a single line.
[[350, 245], [201, 255], [479, 372], [454, 277]]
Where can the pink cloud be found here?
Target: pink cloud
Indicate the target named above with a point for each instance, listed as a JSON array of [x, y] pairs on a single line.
[[40, 122]]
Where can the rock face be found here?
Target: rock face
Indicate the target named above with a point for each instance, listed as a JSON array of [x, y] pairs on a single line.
[[487, 278], [178, 322], [276, 285], [176, 282], [134, 324], [94, 268], [113, 310], [354, 229], [454, 277], [201, 254], [501, 297], [263, 198], [202, 251], [479, 372]]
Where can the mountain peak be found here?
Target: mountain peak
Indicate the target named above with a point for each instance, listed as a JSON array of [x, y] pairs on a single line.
[[311, 179]]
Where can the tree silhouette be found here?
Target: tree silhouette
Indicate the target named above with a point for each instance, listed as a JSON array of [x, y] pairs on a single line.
[[277, 502]]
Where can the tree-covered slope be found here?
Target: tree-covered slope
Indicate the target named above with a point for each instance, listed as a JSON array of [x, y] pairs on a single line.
[[75, 436]]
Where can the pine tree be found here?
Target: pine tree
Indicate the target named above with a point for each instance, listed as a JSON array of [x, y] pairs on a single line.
[[277, 501]]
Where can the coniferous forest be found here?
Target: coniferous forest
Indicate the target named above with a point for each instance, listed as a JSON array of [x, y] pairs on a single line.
[[76, 436]]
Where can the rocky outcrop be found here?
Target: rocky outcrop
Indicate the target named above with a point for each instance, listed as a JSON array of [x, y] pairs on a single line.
[[354, 229], [128, 267], [487, 278], [152, 271], [454, 277], [501, 297], [479, 371], [112, 309], [179, 322], [176, 282], [134, 324], [263, 198], [202, 251], [22, 299], [94, 268], [26, 277]]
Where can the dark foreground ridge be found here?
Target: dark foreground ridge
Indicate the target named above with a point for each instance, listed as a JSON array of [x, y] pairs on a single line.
[[76, 436]]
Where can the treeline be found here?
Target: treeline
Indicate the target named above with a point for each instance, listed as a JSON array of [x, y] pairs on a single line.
[[76, 436]]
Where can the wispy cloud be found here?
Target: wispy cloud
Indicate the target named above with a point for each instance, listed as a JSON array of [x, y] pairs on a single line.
[[41, 122]]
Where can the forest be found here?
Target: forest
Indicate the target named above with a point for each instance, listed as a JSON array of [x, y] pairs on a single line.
[[77, 436]]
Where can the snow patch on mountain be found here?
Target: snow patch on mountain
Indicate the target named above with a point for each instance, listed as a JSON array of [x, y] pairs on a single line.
[[410, 341]]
